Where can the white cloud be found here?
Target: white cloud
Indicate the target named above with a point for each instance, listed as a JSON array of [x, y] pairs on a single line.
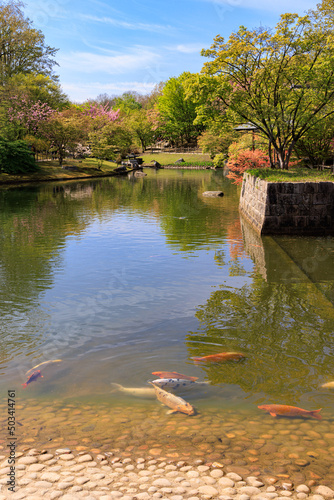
[[90, 62], [299, 6], [187, 48], [82, 91], [157, 28]]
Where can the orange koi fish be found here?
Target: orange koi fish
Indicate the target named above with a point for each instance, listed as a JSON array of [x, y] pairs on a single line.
[[220, 356], [290, 411], [173, 375], [174, 402], [34, 376]]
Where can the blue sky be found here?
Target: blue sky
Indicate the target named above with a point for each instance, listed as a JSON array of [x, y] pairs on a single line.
[[115, 46]]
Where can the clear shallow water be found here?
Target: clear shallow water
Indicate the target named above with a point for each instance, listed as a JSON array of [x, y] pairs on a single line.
[[122, 277]]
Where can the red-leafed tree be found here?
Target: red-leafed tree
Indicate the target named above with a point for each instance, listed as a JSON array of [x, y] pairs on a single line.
[[244, 160]]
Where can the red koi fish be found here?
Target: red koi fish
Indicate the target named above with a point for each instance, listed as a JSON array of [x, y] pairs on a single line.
[[290, 411], [219, 357], [34, 376], [173, 375]]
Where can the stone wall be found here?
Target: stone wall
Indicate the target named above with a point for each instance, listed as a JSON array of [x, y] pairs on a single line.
[[288, 207]]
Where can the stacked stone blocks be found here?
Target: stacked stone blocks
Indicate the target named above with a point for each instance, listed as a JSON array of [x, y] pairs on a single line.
[[288, 207]]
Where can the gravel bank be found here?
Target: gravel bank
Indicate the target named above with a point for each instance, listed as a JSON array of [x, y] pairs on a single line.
[[63, 474]]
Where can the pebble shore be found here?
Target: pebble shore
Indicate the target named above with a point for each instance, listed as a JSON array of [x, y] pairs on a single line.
[[105, 476]]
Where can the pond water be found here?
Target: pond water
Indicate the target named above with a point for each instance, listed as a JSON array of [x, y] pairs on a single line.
[[121, 277]]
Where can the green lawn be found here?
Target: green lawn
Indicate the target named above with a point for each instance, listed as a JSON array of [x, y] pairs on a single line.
[[293, 175], [170, 158], [51, 170]]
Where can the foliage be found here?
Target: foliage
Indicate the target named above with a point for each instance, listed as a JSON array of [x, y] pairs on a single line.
[[16, 157], [316, 146], [281, 81], [243, 160], [38, 87], [26, 116], [213, 144], [23, 49], [178, 112], [219, 160], [142, 125], [127, 102], [110, 142], [64, 132]]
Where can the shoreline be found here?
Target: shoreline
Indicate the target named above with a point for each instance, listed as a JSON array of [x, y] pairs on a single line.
[[69, 475], [27, 180]]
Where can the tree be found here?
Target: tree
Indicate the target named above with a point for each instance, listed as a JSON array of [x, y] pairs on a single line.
[[63, 131], [316, 146], [178, 111], [22, 48], [16, 157], [127, 102], [243, 160], [213, 143], [281, 81], [110, 142], [26, 116], [142, 126], [38, 87]]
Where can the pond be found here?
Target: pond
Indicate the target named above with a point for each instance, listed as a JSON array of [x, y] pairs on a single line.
[[122, 277]]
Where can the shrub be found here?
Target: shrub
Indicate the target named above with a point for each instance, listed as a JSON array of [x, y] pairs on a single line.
[[16, 157], [244, 160], [219, 160]]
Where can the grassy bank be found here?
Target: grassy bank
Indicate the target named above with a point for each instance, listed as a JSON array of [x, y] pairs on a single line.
[[51, 170], [80, 169], [293, 175]]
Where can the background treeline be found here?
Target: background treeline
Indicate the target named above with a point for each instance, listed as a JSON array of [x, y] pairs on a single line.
[[264, 98]]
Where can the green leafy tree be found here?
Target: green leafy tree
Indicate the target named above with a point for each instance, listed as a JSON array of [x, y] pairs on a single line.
[[110, 142], [316, 146], [178, 112], [127, 102], [64, 132], [281, 81], [16, 157], [22, 48], [214, 144], [142, 127], [38, 87]]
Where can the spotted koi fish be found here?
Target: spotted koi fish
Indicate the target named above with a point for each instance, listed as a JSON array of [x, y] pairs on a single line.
[[174, 402], [34, 376], [290, 411], [173, 375], [176, 383]]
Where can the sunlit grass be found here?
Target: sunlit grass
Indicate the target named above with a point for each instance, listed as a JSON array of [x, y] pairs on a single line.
[[293, 175], [170, 158]]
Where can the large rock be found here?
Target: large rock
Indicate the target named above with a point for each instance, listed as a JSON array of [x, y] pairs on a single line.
[[213, 193]]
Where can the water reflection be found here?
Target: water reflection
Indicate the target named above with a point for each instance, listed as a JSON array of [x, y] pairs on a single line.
[[123, 277], [283, 320]]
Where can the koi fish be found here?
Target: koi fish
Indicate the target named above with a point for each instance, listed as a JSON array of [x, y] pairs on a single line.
[[176, 383], [220, 356], [173, 375], [290, 411], [34, 376], [44, 363], [174, 402], [138, 392], [328, 385]]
